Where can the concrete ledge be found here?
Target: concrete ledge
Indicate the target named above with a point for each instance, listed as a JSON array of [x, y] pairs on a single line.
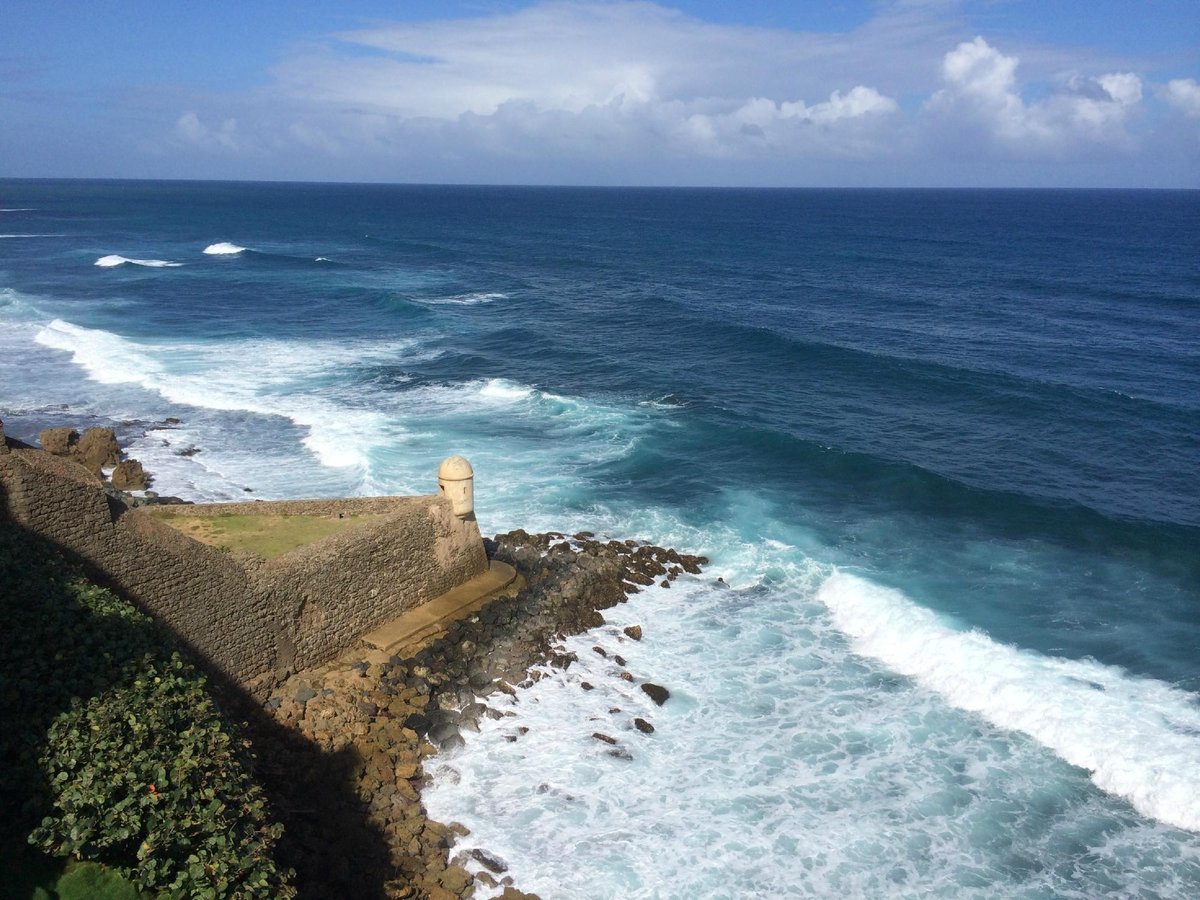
[[405, 635]]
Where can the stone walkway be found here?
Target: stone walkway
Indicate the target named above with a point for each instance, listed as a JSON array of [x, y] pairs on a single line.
[[405, 635]]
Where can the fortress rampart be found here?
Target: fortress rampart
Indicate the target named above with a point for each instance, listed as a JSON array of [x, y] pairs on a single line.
[[254, 620]]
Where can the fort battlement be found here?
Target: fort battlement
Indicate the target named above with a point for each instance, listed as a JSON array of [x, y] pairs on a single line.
[[254, 619]]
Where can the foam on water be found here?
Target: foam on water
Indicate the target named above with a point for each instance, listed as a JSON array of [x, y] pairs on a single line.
[[265, 377], [471, 299], [113, 260], [786, 763], [223, 248], [1139, 738]]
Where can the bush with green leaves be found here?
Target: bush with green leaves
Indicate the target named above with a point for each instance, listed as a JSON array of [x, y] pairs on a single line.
[[116, 745]]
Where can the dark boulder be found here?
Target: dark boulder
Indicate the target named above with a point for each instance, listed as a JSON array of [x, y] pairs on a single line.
[[656, 692]]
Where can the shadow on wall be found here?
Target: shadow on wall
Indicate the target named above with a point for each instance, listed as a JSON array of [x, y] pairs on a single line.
[[257, 620], [60, 649]]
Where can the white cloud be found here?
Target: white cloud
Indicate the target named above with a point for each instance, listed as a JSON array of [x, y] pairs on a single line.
[[189, 129], [566, 90], [1184, 95], [981, 88], [599, 78]]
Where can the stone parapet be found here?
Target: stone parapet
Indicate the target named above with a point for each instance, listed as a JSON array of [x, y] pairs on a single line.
[[254, 620]]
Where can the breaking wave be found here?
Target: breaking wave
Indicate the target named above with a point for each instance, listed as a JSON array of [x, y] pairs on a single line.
[[223, 248], [112, 261]]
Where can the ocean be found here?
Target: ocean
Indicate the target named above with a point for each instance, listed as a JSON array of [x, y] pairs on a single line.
[[942, 449]]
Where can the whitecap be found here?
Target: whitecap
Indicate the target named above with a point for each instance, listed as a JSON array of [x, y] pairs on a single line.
[[223, 248], [472, 299], [1136, 737], [113, 260]]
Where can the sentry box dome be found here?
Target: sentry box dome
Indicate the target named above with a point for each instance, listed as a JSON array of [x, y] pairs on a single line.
[[456, 480]]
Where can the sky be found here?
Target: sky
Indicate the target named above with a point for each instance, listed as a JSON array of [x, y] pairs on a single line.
[[860, 93]]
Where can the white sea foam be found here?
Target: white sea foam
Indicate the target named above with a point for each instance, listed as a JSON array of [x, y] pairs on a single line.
[[502, 389], [223, 248], [18, 209], [257, 376], [782, 765], [113, 260], [1138, 738], [471, 299], [30, 235]]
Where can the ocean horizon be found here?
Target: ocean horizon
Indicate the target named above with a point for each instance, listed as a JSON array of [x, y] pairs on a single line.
[[941, 447]]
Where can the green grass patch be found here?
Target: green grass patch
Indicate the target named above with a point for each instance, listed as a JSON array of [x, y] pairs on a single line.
[[265, 536]]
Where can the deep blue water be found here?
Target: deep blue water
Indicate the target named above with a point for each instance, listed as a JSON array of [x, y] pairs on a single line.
[[942, 445]]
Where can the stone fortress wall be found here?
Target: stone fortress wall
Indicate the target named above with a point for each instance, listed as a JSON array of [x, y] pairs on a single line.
[[254, 620]]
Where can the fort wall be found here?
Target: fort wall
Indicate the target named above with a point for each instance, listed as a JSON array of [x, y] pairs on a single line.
[[254, 620]]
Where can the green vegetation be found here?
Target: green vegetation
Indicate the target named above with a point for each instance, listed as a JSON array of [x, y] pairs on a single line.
[[265, 536], [27, 873], [114, 751]]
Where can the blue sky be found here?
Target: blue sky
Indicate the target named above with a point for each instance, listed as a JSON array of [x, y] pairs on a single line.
[[890, 92]]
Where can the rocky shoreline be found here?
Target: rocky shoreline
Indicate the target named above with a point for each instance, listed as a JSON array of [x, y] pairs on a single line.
[[386, 716], [342, 749]]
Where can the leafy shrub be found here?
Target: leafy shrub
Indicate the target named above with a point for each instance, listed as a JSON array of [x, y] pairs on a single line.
[[116, 745], [89, 881]]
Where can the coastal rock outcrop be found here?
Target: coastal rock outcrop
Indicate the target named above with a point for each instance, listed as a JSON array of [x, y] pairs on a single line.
[[130, 476], [59, 441], [97, 449], [390, 716]]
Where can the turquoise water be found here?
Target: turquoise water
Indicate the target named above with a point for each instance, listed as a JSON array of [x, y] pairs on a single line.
[[941, 446]]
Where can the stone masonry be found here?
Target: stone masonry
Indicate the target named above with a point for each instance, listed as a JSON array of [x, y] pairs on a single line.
[[254, 620]]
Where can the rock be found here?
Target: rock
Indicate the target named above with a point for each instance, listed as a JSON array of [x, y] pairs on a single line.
[[620, 753], [489, 861], [643, 726], [456, 879], [443, 732], [418, 722], [97, 449], [627, 676], [586, 686], [600, 650], [129, 476], [634, 631], [656, 692], [511, 893], [604, 737], [59, 441], [304, 694]]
